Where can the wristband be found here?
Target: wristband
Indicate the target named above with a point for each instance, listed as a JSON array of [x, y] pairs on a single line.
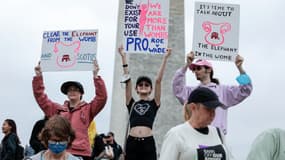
[[125, 65], [243, 79], [125, 78]]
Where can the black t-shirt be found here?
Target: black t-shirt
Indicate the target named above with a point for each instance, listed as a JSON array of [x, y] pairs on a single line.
[[143, 113]]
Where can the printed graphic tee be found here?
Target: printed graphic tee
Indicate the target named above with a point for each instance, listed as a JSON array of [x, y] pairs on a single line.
[[185, 143]]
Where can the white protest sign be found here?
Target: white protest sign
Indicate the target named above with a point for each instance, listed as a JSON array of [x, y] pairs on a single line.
[[216, 31], [69, 50], [146, 26]]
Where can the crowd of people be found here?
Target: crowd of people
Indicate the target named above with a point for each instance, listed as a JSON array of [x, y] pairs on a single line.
[[51, 139], [63, 131]]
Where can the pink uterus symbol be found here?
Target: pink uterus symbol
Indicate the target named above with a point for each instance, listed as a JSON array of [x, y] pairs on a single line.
[[66, 54], [143, 12], [215, 32]]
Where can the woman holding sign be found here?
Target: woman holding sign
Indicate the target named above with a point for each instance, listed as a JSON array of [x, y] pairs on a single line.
[[78, 112], [228, 95], [140, 143]]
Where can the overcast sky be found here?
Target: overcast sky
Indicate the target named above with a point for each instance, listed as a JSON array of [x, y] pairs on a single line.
[[22, 24]]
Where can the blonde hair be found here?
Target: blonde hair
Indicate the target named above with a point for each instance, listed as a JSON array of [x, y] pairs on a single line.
[[187, 111]]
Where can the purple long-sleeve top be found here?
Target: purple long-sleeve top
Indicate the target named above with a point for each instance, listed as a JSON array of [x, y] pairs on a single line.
[[228, 95]]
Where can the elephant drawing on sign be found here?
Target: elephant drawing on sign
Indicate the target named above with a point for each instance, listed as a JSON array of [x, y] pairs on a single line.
[[65, 58], [215, 35], [144, 8], [66, 54], [215, 32]]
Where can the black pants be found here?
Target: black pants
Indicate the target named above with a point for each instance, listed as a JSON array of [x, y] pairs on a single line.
[[140, 148]]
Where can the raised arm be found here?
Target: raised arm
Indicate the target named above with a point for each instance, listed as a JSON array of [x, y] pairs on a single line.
[[159, 76], [98, 103], [127, 81], [189, 60], [236, 94], [38, 70], [239, 61], [95, 69], [243, 79], [179, 88], [49, 107]]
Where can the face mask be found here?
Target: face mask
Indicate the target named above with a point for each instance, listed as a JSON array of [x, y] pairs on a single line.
[[57, 147]]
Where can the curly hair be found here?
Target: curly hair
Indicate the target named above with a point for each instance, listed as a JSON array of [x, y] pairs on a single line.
[[57, 126]]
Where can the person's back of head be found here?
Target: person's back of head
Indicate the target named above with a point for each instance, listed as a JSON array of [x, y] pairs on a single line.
[[268, 145], [35, 143], [99, 145]]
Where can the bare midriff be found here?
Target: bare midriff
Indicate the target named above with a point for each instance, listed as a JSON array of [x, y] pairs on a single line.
[[141, 131]]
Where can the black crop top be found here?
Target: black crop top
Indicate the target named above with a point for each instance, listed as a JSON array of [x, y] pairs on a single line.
[[143, 113]]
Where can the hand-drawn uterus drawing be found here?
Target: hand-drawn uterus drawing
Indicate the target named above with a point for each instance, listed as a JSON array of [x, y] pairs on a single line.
[[144, 8], [66, 54], [215, 32]]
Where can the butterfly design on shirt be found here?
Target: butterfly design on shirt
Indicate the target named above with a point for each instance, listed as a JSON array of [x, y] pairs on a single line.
[[141, 109]]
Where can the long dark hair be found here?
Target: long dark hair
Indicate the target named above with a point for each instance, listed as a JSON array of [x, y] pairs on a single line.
[[13, 126], [214, 80]]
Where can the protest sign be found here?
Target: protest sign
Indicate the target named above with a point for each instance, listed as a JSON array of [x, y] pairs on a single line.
[[69, 50], [146, 26], [216, 31]]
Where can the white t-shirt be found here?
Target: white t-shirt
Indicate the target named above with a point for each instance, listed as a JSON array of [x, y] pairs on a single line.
[[183, 142]]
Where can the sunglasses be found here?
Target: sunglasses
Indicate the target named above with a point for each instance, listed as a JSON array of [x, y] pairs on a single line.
[[197, 68], [144, 84]]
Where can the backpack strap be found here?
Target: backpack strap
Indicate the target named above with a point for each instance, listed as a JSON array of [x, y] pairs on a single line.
[[220, 135]]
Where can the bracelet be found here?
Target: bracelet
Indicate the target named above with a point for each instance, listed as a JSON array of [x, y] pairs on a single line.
[[125, 65]]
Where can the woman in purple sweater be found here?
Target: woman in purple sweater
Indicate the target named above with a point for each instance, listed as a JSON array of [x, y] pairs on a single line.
[[228, 95]]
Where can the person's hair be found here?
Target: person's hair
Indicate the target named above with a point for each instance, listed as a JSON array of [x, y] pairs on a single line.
[[111, 133], [144, 79], [187, 112], [57, 126], [13, 126], [214, 80]]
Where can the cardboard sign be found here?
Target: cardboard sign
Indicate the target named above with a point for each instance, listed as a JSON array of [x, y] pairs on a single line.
[[69, 50], [216, 31], [146, 26]]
